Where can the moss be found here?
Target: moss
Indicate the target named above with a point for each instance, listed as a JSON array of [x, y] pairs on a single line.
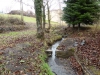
[[53, 39], [44, 66], [58, 37], [66, 54], [45, 44]]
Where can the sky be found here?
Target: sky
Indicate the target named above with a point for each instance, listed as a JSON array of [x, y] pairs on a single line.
[[8, 5]]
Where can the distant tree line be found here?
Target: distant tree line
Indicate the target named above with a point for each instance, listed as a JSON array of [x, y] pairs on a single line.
[[25, 13]]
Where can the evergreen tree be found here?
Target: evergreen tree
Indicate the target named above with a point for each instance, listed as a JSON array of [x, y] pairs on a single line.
[[81, 11]]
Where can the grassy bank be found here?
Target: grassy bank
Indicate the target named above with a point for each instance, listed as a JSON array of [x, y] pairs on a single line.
[[44, 66], [7, 39], [26, 19]]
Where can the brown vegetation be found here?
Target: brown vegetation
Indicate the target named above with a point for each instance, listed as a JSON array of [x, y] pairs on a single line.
[[11, 24], [76, 66], [25, 13], [90, 51]]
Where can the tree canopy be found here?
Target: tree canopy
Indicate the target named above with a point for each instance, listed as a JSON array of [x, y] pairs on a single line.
[[81, 11]]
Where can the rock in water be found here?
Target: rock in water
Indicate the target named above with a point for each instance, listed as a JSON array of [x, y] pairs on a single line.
[[75, 44], [83, 42]]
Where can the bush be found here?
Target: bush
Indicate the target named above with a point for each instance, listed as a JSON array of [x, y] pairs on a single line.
[[11, 24], [13, 20], [12, 28], [10, 20], [25, 13], [2, 20]]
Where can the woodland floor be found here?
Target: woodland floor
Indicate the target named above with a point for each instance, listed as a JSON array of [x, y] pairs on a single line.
[[21, 53], [88, 54]]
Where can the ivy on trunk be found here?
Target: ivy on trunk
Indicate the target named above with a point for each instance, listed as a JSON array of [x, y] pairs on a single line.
[[38, 12]]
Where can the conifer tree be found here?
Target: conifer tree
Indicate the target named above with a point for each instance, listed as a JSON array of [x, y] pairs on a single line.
[[79, 12]]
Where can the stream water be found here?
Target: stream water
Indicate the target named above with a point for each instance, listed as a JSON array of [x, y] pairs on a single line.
[[56, 65]]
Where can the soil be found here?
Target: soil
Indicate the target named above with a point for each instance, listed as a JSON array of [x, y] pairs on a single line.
[[20, 57]]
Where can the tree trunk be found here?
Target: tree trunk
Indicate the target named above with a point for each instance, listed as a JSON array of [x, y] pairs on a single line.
[[21, 11], [38, 12], [60, 13], [49, 19], [79, 25], [43, 18], [73, 26], [69, 25]]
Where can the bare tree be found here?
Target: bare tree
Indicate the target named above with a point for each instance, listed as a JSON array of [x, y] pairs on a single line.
[[21, 10], [48, 5], [44, 17], [48, 9], [60, 13]]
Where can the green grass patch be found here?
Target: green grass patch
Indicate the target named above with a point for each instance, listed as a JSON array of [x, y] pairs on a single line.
[[26, 19], [17, 33], [6, 38], [44, 66]]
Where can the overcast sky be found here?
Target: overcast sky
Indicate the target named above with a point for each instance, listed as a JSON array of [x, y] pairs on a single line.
[[8, 5]]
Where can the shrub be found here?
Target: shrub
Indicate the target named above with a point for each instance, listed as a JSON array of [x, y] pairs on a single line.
[[15, 21], [10, 20], [11, 24], [2, 20], [25, 13]]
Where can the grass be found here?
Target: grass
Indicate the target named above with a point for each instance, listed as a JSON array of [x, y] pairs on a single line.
[[17, 33], [94, 70], [26, 19], [11, 36], [44, 66]]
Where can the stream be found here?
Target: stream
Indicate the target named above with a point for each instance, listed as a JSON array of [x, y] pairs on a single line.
[[59, 67]]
